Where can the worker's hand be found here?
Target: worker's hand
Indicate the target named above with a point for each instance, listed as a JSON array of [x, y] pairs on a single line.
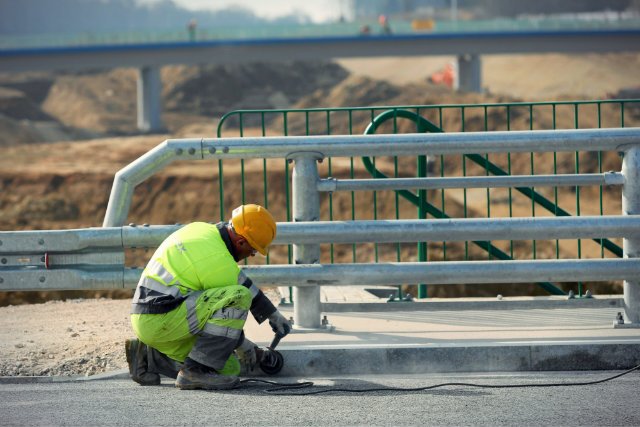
[[247, 355], [279, 323]]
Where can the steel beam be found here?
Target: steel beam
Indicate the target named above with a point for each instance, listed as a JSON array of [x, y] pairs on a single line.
[[356, 145], [310, 276], [566, 140], [314, 232], [433, 183], [448, 230], [631, 244], [446, 273]]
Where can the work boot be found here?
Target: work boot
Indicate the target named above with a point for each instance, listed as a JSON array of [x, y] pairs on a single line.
[[196, 376], [137, 361], [162, 364]]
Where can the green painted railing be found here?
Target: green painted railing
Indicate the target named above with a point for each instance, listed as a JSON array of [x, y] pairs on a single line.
[[560, 201]]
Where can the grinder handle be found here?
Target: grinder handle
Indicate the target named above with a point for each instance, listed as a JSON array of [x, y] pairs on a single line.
[[276, 340]]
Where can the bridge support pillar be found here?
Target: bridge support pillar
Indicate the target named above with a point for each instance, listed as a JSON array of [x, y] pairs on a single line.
[[631, 206], [306, 207], [470, 73], [149, 99]]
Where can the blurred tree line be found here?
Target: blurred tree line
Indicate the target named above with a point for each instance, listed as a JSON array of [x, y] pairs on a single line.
[[484, 9], [22, 17]]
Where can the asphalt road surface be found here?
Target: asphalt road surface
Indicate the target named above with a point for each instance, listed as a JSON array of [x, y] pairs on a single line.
[[122, 402]]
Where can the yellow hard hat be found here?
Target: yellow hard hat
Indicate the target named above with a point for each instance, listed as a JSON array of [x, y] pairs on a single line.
[[254, 223]]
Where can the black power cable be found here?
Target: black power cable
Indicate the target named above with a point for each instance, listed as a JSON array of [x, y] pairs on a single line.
[[284, 389]]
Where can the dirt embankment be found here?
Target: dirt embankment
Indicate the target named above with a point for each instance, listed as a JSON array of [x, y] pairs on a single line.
[[51, 107]]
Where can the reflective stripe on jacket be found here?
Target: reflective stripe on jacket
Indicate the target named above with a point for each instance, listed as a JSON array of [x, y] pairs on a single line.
[[197, 257]]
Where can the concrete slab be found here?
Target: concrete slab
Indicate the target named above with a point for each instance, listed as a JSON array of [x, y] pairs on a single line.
[[550, 334]]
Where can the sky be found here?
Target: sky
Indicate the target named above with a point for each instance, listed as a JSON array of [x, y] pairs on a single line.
[[318, 10]]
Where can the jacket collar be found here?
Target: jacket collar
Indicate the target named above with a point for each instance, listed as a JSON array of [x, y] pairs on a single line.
[[224, 233]]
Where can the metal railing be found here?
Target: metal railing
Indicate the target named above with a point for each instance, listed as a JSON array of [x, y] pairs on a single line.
[[468, 200], [94, 258]]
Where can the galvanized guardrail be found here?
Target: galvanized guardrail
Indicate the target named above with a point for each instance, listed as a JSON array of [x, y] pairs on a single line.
[[94, 258], [469, 201]]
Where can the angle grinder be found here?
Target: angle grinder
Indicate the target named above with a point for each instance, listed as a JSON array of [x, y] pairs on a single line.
[[272, 361]]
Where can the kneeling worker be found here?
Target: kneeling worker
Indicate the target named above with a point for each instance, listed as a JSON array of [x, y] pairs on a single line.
[[192, 301]]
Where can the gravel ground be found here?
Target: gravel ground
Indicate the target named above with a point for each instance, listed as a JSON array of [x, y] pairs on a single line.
[[75, 337]]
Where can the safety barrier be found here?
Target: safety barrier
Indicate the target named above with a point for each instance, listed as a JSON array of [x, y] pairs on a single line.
[[94, 258], [443, 203]]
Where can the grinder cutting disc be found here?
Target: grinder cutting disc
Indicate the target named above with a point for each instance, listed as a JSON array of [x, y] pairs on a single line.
[[272, 363]]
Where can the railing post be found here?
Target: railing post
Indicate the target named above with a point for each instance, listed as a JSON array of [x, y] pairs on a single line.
[[306, 207], [422, 214], [631, 245]]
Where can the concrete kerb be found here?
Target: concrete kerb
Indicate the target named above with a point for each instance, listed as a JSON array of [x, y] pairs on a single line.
[[318, 362], [459, 359]]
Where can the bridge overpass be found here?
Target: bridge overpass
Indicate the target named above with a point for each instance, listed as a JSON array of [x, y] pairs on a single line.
[[468, 47]]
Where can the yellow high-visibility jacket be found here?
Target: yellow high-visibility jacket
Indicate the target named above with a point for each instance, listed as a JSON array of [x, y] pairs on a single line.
[[196, 257]]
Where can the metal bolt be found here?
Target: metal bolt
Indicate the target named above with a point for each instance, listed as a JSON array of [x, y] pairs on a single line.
[[571, 295], [1, 280], [43, 259], [178, 151], [325, 321], [145, 225], [192, 151], [4, 260], [212, 150], [132, 224], [225, 149], [41, 242], [42, 279], [291, 320], [619, 319], [588, 294]]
